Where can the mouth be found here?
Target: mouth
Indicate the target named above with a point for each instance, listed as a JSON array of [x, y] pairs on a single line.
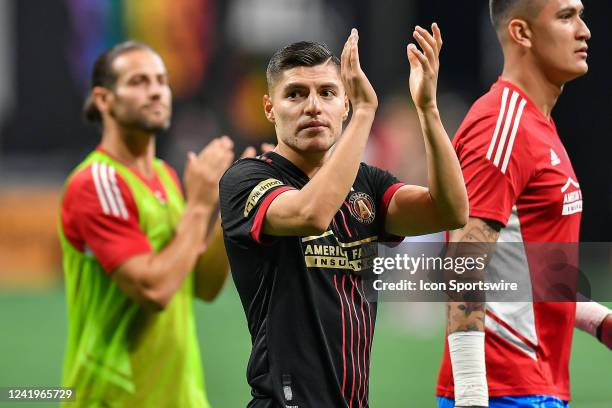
[[582, 52], [313, 126], [155, 107]]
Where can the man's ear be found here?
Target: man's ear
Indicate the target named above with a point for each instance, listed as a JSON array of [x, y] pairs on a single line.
[[519, 32], [347, 107], [269, 108], [101, 97]]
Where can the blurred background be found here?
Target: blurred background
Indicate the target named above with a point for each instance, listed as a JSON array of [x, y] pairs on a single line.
[[216, 53]]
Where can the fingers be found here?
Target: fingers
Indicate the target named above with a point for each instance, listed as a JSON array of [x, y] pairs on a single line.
[[344, 58], [355, 50], [429, 39], [248, 152], [437, 35], [350, 56], [414, 56], [267, 147], [426, 47]]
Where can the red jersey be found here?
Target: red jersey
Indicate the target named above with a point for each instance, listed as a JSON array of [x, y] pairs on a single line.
[[99, 214], [518, 173]]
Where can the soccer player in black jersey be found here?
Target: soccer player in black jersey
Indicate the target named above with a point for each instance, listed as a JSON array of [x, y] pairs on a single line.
[[297, 221]]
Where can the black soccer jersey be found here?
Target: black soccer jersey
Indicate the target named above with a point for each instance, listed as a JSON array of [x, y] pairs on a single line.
[[311, 324]]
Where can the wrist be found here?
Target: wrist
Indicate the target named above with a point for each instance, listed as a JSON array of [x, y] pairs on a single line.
[[428, 109], [604, 331], [469, 372], [196, 212], [364, 111]]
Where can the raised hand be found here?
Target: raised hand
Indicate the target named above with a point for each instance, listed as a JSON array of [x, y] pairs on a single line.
[[357, 86], [424, 66], [204, 170]]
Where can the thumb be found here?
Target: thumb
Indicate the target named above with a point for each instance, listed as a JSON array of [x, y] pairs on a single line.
[[191, 158], [412, 59]]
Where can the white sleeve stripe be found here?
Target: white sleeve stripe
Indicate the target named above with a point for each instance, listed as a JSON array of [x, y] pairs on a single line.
[[504, 135], [513, 135], [499, 121], [107, 190], [96, 177], [117, 192]]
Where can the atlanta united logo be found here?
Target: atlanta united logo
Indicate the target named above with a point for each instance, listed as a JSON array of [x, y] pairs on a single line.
[[362, 207]]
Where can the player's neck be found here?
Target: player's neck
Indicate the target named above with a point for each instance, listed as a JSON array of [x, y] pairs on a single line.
[[134, 149], [542, 92], [309, 163]]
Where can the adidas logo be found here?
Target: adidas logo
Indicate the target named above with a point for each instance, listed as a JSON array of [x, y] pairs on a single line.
[[554, 159]]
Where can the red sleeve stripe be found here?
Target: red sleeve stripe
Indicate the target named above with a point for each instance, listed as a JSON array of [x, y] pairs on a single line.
[[386, 198], [258, 223], [506, 143], [107, 189]]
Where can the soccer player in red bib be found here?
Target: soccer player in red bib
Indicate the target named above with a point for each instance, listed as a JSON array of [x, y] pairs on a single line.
[[135, 250], [521, 188]]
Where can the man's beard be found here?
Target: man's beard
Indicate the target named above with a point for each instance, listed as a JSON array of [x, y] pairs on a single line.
[[134, 120]]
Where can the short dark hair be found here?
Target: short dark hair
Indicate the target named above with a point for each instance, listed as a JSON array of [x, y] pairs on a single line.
[[299, 54], [500, 10], [103, 74]]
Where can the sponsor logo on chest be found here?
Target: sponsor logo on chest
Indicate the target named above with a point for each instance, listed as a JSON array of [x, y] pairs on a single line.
[[572, 197]]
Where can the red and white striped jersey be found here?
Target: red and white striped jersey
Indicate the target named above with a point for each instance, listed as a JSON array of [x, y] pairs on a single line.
[[99, 214], [517, 172]]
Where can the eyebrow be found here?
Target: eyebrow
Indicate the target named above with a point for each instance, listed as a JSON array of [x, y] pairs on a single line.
[[146, 75], [297, 85], [572, 9]]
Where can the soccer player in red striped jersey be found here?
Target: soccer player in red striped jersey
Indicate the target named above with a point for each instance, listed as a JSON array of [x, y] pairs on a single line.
[[521, 188], [135, 250]]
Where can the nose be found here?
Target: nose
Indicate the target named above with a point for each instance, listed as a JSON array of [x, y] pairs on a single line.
[[313, 105], [155, 93], [155, 90], [583, 31]]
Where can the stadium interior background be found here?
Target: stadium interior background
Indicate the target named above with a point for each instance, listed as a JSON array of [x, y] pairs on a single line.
[[216, 52]]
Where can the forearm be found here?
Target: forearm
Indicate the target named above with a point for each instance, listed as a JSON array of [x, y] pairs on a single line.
[[595, 319], [466, 311], [466, 314], [445, 179], [212, 267], [155, 278], [324, 193]]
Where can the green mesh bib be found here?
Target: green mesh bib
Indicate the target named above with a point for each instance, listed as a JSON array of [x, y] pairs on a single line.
[[117, 353]]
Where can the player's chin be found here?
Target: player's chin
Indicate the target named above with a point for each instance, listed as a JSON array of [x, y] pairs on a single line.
[[316, 145], [577, 71], [159, 125], [581, 66]]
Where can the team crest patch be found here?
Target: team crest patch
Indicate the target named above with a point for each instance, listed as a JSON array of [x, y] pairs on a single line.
[[362, 207], [258, 192]]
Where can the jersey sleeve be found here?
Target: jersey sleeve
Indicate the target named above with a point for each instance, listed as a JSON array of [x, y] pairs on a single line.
[[495, 168], [246, 191], [384, 186], [99, 214]]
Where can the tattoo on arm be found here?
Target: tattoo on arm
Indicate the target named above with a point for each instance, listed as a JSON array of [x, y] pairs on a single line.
[[467, 313]]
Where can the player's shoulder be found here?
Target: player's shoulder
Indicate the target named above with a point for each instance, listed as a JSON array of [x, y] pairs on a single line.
[[367, 170], [249, 167], [96, 183], [496, 123], [376, 178], [86, 176]]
